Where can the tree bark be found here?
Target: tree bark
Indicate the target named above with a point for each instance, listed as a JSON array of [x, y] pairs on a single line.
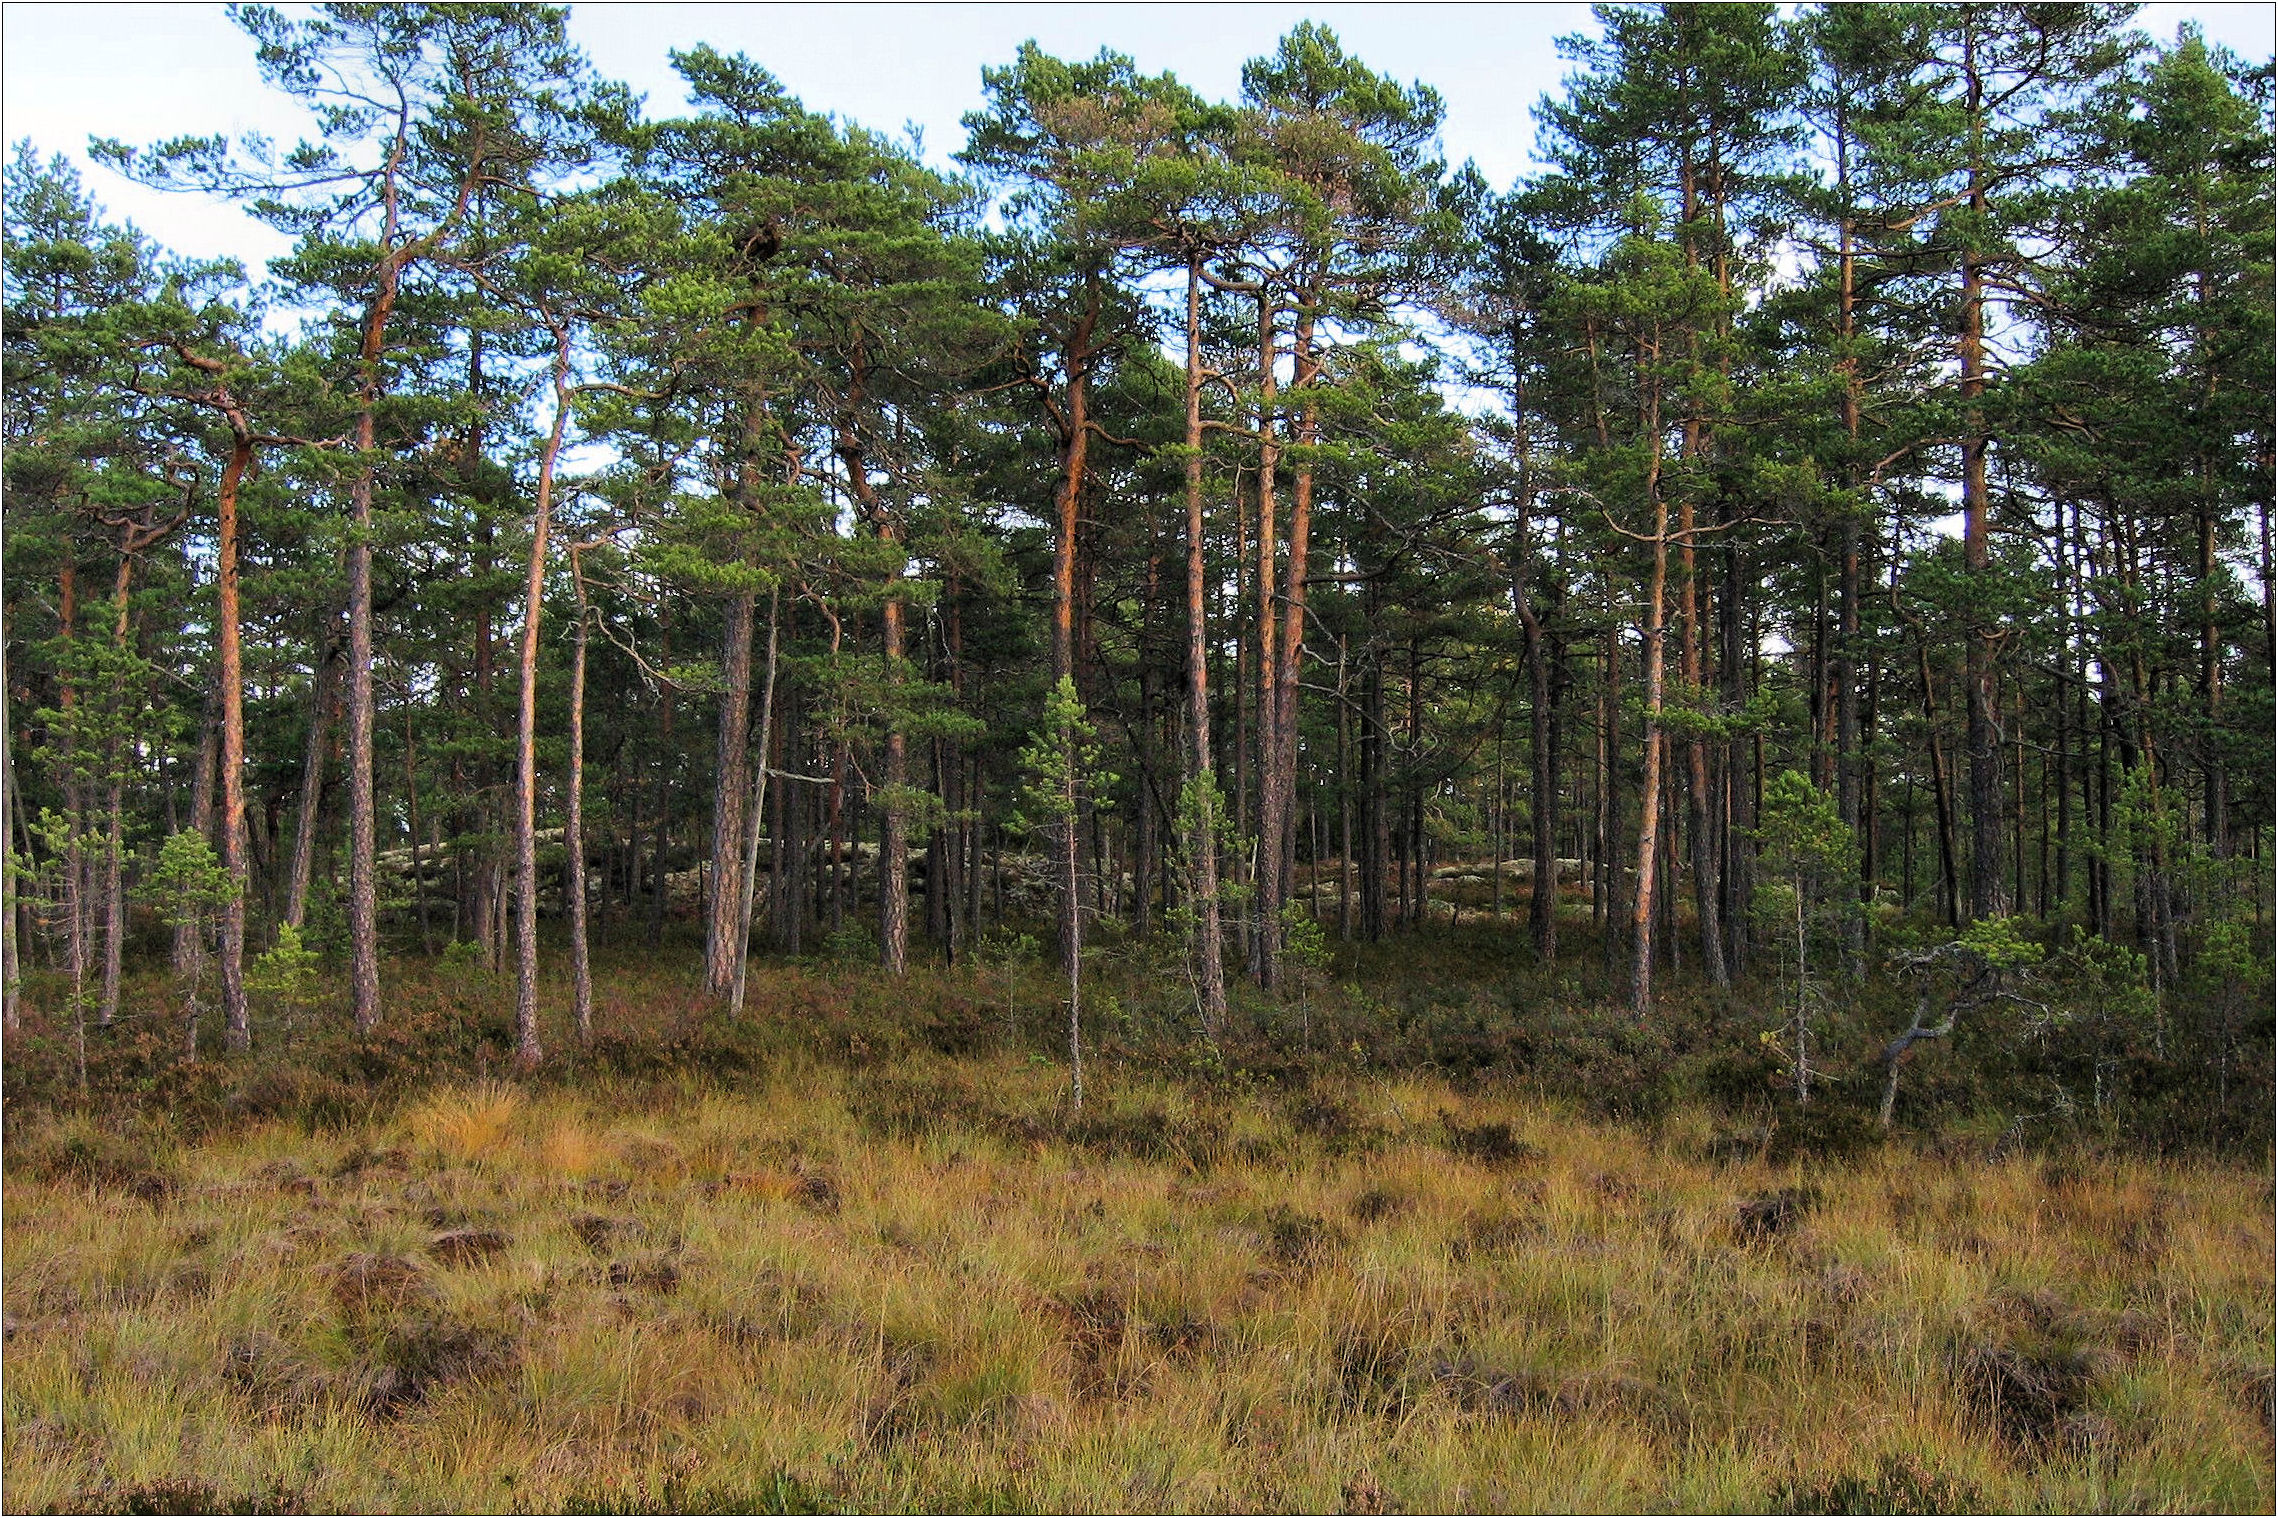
[[237, 1026], [1078, 358], [1705, 884], [1264, 947], [1847, 737], [1986, 896], [527, 1049], [312, 783], [1706, 887], [114, 840], [728, 794], [363, 883], [189, 935], [12, 927], [573, 820], [1210, 970], [758, 810], [894, 840], [1649, 790]]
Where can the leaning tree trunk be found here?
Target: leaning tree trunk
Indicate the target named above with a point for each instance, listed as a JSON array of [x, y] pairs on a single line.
[[766, 749]]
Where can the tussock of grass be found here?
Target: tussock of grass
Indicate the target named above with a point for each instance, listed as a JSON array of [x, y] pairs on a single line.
[[925, 1285], [468, 1123]]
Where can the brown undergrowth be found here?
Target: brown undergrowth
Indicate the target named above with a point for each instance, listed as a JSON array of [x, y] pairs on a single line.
[[921, 1283]]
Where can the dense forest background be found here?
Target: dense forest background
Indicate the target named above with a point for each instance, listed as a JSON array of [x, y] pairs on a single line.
[[1816, 534]]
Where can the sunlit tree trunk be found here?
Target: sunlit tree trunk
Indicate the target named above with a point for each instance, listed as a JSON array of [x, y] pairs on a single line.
[[1649, 790], [527, 1050]]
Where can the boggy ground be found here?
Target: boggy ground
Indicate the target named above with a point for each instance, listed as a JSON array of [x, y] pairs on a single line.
[[924, 1284]]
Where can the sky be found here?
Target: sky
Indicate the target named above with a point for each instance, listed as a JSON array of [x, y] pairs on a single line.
[[145, 72]]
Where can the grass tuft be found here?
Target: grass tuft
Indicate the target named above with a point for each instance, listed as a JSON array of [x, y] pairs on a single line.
[[713, 1269], [468, 1123]]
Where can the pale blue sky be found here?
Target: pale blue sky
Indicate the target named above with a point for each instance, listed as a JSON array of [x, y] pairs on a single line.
[[142, 72]]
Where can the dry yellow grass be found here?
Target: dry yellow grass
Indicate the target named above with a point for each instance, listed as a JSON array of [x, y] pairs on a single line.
[[466, 1123], [909, 1289]]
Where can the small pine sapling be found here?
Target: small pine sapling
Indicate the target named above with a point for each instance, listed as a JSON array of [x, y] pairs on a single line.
[[191, 888], [1062, 769], [1008, 951], [1304, 955], [285, 975], [1805, 844]]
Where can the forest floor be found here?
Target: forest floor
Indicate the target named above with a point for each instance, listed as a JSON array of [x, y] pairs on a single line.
[[916, 1280]]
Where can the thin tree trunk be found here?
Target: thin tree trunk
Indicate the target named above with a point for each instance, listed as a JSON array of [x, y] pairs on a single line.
[[1075, 958], [660, 822], [363, 882], [1649, 790], [12, 925], [1146, 862], [189, 935], [1542, 907], [1209, 961], [114, 903], [1706, 887], [411, 803], [1298, 566], [74, 801], [312, 784], [1619, 891], [238, 1031], [527, 1051], [1984, 758], [1076, 446], [894, 838], [1264, 942], [1948, 873], [1239, 696], [1847, 736], [1734, 815], [114, 841], [1344, 804], [758, 809], [573, 820]]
